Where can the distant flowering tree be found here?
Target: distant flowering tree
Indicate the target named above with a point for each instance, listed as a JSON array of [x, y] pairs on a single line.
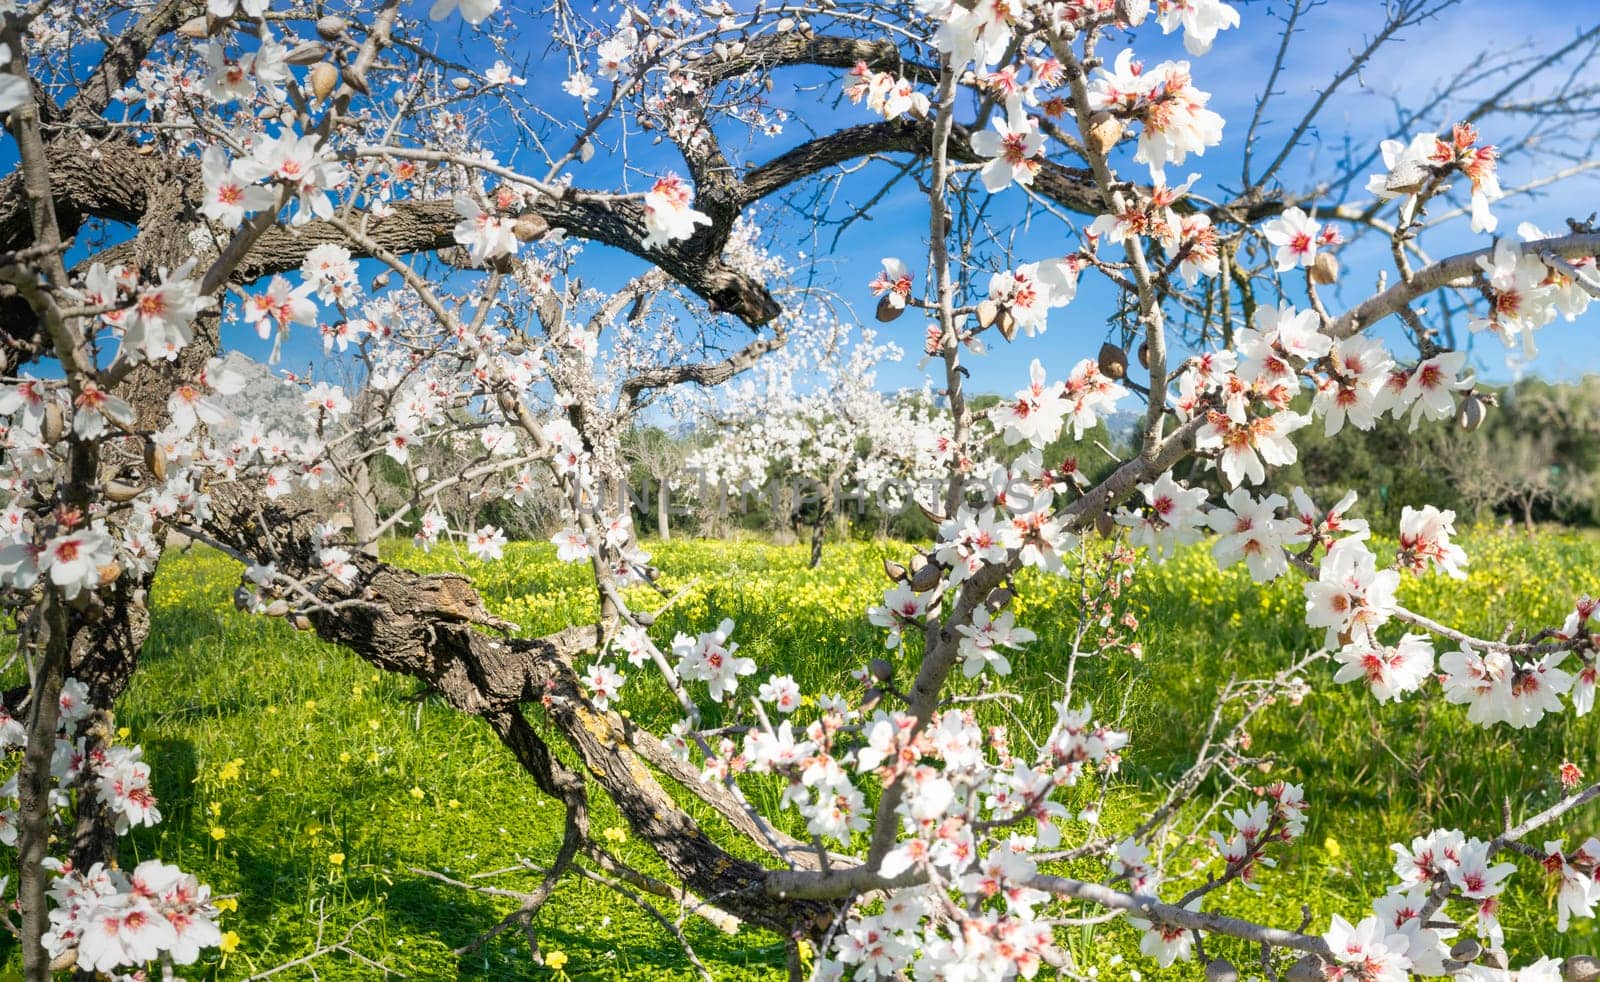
[[812, 431], [228, 169]]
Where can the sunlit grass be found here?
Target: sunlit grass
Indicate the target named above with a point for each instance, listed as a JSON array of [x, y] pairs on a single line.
[[296, 777]]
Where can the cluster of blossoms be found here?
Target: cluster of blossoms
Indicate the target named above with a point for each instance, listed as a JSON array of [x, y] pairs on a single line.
[[1172, 112], [1525, 292], [1277, 816], [118, 920], [297, 163], [76, 552], [1190, 235], [1497, 688], [1416, 169], [1038, 414], [886, 94], [972, 813], [1296, 237], [1409, 932], [982, 34], [711, 658], [107, 919], [154, 321], [1023, 297]]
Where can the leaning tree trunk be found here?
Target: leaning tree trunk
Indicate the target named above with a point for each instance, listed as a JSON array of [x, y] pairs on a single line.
[[429, 627], [663, 503], [819, 527]]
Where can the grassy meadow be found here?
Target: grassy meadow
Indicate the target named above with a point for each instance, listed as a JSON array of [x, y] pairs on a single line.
[[296, 779]]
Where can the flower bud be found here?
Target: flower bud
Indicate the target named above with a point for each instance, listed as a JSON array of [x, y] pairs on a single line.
[[1006, 323], [1105, 132], [156, 459], [381, 281], [324, 76], [926, 578], [119, 491], [306, 53], [332, 28], [54, 422], [1113, 361], [356, 79], [461, 84], [529, 227]]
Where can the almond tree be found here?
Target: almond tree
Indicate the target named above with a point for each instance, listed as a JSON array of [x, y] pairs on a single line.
[[813, 432], [213, 169]]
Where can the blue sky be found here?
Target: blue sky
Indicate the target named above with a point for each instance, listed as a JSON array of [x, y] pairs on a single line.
[[1234, 73]]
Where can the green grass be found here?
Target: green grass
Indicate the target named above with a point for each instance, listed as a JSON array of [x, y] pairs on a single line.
[[333, 758]]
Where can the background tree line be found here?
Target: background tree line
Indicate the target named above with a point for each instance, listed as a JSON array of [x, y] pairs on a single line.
[[1535, 458]]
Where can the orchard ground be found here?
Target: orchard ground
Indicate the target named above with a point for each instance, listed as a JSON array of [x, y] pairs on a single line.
[[307, 786]]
